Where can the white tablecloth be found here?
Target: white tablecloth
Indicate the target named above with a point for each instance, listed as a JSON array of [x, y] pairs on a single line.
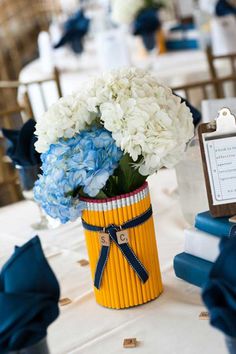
[[167, 325]]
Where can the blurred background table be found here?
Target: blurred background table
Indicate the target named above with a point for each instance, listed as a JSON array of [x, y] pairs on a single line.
[[75, 70], [169, 324]]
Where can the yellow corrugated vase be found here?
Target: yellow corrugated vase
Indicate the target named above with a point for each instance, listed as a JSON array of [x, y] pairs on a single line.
[[121, 287]]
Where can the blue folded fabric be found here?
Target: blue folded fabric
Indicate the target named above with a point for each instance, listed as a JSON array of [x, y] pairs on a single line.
[[145, 25], [29, 295], [224, 8], [219, 293], [75, 28], [20, 145], [181, 44], [192, 269]]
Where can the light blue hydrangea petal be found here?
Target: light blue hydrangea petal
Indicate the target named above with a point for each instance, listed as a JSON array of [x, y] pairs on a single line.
[[86, 160]]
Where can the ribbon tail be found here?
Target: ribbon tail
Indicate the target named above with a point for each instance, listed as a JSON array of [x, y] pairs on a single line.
[[135, 263], [130, 256], [102, 261]]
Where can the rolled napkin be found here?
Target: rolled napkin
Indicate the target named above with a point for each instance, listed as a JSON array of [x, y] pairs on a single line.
[[75, 28], [29, 295], [225, 7], [146, 24], [20, 145], [219, 293]]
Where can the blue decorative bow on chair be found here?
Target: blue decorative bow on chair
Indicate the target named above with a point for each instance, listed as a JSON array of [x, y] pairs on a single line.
[[146, 24], [75, 28]]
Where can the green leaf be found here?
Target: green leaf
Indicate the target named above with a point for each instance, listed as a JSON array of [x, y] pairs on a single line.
[[125, 179], [101, 195], [129, 178]]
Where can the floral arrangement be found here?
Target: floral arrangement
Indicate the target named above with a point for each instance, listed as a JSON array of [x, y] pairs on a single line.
[[143, 16], [107, 139], [125, 12]]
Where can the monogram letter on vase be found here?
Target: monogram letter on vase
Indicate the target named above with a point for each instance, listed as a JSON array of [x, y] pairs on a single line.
[[104, 239], [122, 236]]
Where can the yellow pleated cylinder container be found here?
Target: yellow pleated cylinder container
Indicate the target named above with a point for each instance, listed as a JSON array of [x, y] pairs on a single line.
[[120, 286]]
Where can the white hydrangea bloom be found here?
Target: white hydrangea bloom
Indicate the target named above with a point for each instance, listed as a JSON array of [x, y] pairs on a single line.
[[145, 118], [63, 119], [125, 11], [147, 121]]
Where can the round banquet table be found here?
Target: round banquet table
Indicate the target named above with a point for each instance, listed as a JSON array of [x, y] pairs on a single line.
[[167, 325], [172, 69]]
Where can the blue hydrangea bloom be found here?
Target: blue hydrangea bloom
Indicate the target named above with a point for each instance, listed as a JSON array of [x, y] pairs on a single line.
[[87, 160]]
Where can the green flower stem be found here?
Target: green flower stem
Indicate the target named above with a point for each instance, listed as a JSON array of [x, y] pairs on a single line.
[[125, 179]]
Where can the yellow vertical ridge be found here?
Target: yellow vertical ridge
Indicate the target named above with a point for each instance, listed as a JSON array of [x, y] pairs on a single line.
[[113, 278], [135, 244], [137, 294], [117, 217], [116, 258], [151, 239], [102, 293], [128, 270], [151, 246], [141, 251], [96, 250], [155, 249], [144, 236]]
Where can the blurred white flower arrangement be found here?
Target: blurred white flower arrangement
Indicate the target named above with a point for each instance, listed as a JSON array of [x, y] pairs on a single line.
[[125, 11]]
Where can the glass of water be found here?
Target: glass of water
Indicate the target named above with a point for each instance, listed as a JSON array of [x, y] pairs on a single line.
[[191, 182], [27, 177]]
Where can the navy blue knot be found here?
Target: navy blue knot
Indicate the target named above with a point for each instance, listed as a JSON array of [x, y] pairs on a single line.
[[110, 235]]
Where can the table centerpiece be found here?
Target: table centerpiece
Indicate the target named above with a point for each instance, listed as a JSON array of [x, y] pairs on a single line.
[[98, 148]]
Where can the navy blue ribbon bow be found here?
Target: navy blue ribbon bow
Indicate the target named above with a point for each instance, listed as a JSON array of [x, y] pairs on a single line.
[[127, 251], [225, 8], [75, 29]]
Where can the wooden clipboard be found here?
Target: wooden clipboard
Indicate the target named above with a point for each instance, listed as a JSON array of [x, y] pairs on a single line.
[[215, 131]]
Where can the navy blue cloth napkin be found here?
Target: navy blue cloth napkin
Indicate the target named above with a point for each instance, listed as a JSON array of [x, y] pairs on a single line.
[[75, 28], [29, 295], [20, 145], [219, 293], [195, 112], [145, 25], [224, 8]]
